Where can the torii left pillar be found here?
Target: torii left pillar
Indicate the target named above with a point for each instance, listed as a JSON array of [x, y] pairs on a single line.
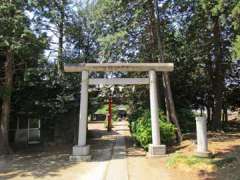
[[81, 152]]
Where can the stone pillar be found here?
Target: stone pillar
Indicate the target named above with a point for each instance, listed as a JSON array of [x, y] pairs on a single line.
[[81, 151], [202, 141], [155, 149]]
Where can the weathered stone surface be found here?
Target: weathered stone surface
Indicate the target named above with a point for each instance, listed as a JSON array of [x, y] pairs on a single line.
[[118, 165], [123, 67], [206, 154], [202, 141], [81, 150], [82, 131], [154, 108], [80, 153], [119, 81], [80, 158], [156, 150]]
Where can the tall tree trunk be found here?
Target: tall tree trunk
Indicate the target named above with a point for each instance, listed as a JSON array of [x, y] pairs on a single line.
[[208, 114], [167, 106], [219, 74], [210, 89], [171, 107], [167, 88], [60, 39], [6, 104], [154, 53], [225, 114]]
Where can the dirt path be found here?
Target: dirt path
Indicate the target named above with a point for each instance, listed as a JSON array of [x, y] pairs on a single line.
[[142, 168], [54, 164], [113, 158], [130, 163]]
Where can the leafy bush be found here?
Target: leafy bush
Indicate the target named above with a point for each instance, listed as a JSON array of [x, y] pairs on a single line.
[[133, 118], [142, 132], [186, 120]]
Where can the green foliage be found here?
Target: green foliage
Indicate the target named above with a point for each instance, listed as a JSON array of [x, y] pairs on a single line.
[[43, 94], [118, 26], [141, 129], [102, 110], [236, 48], [236, 16], [186, 119], [109, 40], [15, 33], [138, 112]]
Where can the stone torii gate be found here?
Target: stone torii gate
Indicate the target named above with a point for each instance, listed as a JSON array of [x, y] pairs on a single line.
[[81, 151]]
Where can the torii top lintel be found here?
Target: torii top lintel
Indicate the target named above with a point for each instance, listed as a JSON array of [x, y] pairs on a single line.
[[119, 67]]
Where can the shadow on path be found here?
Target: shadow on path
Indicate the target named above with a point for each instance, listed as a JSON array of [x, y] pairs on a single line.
[[50, 164]]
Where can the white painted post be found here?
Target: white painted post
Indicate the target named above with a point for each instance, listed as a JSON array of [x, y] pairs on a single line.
[[81, 151], [155, 149], [202, 141]]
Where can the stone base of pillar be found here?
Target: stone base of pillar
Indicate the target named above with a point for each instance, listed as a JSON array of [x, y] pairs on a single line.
[[156, 150], [206, 154], [80, 153], [80, 158]]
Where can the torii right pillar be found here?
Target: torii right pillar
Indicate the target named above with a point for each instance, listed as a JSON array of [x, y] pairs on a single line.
[[156, 148]]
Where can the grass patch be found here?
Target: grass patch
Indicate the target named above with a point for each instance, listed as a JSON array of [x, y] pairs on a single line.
[[190, 162], [187, 162]]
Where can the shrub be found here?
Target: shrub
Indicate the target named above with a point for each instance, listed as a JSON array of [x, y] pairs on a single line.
[[186, 120], [142, 132], [135, 115]]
